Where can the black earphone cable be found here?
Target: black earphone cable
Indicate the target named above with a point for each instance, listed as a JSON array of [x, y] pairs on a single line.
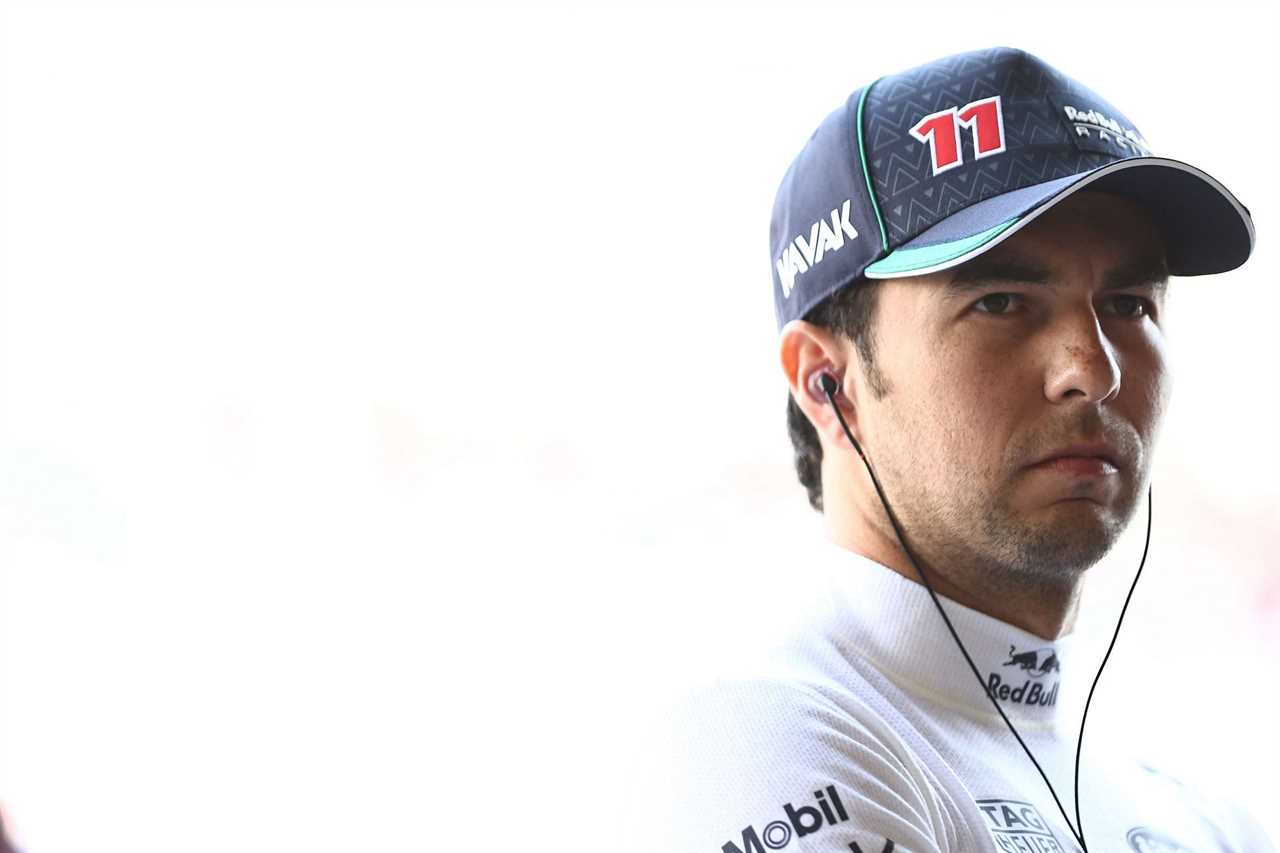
[[1080, 743], [829, 388]]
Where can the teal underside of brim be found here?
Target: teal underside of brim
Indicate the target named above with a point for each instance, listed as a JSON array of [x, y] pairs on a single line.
[[907, 260]]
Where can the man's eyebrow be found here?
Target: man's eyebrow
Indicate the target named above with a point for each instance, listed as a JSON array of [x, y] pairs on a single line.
[[981, 272], [1142, 272], [1149, 271]]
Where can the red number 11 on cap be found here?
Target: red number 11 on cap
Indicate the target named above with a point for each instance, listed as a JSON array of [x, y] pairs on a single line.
[[941, 132]]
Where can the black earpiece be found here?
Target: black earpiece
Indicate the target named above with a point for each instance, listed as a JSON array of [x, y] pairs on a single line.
[[822, 384]]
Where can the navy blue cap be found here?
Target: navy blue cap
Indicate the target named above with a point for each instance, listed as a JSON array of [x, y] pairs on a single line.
[[926, 169]]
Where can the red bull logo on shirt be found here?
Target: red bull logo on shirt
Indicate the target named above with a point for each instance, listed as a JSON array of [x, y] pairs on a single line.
[[1027, 693], [1035, 664]]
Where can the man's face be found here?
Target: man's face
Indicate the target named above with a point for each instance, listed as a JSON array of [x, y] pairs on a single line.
[[1050, 339]]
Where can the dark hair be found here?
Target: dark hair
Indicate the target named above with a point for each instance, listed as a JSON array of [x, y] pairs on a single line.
[[850, 313]]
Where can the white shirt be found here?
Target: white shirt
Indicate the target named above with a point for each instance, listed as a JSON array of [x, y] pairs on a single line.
[[866, 727]]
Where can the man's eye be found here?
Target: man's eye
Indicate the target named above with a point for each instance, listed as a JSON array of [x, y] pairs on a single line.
[[996, 303], [1131, 307]]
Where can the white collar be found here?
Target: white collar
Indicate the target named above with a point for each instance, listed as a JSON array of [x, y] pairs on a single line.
[[892, 622]]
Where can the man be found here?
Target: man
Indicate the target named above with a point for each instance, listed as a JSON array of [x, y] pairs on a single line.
[[970, 262]]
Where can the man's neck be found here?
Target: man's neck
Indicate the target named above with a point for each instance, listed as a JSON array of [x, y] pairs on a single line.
[[1046, 613]]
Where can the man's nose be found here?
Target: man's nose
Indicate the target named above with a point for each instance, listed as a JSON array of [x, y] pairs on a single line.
[[1082, 360]]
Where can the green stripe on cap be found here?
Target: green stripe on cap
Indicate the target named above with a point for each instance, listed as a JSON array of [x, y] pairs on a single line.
[[866, 173], [908, 260]]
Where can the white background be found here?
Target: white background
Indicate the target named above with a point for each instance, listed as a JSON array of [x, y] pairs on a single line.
[[389, 401]]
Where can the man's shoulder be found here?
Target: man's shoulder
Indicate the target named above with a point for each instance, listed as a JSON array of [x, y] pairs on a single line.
[[793, 692], [733, 756], [772, 710], [786, 698], [775, 731]]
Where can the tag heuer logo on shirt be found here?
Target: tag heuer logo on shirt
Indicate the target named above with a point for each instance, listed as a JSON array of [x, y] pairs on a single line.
[[1017, 827]]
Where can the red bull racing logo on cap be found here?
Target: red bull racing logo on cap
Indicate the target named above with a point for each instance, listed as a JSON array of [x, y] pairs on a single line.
[[1101, 131]]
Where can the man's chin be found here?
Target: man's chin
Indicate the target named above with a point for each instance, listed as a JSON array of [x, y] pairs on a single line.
[[1092, 516], [1067, 536], [1082, 533]]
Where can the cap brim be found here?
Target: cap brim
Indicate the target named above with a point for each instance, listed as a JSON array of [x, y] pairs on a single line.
[[1206, 229]]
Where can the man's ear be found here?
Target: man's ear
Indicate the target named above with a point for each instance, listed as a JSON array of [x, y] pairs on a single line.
[[806, 351]]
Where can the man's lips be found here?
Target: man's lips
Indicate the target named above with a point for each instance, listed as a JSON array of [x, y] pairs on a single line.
[[1088, 466], [1093, 458]]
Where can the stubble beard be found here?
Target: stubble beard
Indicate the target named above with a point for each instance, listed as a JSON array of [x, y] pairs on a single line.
[[966, 529], [985, 543]]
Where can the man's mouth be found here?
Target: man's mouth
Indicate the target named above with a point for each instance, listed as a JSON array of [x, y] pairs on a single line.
[[1091, 458], [1079, 466]]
